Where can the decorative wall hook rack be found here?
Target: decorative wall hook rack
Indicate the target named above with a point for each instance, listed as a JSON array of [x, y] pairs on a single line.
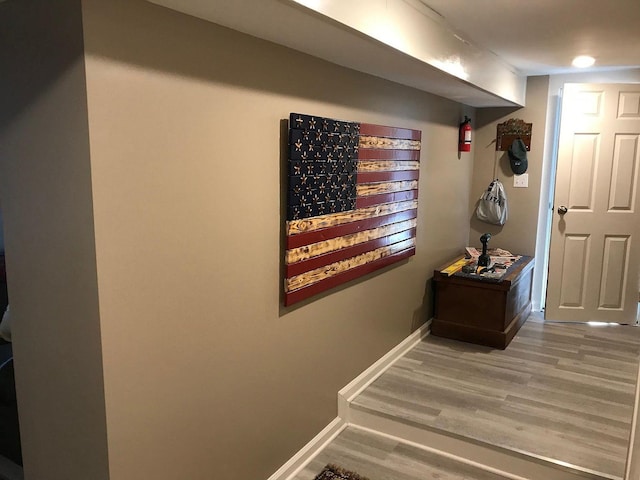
[[511, 130]]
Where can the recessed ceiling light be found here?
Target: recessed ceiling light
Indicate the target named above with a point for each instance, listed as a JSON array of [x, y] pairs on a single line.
[[583, 61]]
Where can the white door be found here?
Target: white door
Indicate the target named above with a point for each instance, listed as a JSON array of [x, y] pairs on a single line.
[[595, 249]]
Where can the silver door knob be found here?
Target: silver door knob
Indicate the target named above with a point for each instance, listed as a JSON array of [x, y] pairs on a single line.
[[562, 210]]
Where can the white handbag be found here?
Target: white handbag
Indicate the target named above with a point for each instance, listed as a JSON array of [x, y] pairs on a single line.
[[492, 207]]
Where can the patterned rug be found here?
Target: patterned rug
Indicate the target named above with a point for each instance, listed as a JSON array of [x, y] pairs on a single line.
[[333, 472]]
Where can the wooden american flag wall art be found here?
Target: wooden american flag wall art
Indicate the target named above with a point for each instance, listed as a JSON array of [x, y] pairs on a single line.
[[352, 201]]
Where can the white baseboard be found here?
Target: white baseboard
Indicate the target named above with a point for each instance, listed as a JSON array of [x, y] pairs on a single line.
[[632, 469], [315, 446], [362, 381]]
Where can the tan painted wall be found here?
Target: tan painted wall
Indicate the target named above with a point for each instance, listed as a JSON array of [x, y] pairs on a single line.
[[519, 233], [45, 187], [206, 375]]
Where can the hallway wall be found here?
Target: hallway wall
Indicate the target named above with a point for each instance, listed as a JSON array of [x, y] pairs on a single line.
[[45, 187], [206, 374]]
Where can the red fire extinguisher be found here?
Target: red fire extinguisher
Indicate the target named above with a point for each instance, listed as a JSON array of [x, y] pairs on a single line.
[[464, 139]]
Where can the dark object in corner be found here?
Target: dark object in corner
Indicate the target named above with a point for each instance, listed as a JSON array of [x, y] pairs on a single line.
[[9, 428], [10, 448], [333, 472]]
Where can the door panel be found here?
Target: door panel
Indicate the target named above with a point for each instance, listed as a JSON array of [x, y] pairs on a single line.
[[614, 268], [574, 271], [623, 184], [583, 171], [629, 105], [595, 252]]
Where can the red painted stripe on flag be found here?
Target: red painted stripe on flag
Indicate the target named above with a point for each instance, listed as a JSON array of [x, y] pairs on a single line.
[[391, 132], [295, 241], [306, 292], [393, 176], [348, 252], [388, 154], [393, 197]]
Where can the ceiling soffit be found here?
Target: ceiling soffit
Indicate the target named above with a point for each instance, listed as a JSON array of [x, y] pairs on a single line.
[[399, 40]]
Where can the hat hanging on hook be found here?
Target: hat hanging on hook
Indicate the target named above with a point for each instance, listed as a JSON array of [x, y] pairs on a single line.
[[518, 157]]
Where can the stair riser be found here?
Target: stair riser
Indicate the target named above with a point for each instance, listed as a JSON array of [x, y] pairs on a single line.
[[508, 463]]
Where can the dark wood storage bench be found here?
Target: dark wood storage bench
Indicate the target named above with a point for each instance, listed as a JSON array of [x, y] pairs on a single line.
[[486, 312]]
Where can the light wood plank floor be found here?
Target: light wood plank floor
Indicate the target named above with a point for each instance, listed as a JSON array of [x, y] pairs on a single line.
[[380, 458], [559, 391]]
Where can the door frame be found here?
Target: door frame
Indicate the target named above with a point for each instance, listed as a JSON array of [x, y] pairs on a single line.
[[545, 208]]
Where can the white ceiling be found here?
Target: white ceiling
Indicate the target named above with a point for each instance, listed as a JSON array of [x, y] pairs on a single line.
[[535, 37], [541, 37]]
